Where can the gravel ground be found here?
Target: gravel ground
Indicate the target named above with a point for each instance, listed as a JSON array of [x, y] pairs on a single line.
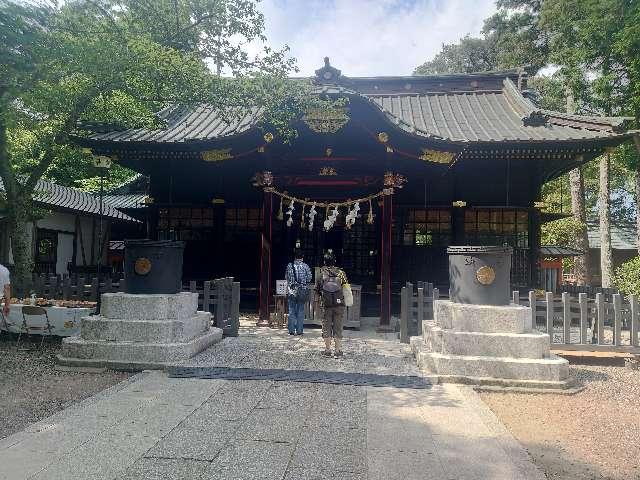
[[594, 434], [31, 389]]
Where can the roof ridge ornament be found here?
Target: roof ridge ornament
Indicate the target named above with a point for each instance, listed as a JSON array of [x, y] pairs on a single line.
[[535, 118], [327, 74]]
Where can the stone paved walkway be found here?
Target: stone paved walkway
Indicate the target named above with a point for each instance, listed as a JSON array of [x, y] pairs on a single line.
[[155, 427]]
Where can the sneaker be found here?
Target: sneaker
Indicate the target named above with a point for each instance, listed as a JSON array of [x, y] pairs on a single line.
[[291, 333], [339, 353], [326, 353], [299, 333]]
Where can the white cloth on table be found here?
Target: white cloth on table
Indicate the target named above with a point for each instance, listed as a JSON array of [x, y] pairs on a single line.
[[5, 279]]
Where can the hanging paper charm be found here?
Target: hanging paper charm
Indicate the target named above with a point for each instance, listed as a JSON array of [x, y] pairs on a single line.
[[290, 214], [312, 214], [329, 222], [351, 217], [370, 216]]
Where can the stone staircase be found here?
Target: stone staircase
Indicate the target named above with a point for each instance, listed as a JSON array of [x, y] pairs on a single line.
[[488, 345], [136, 332]]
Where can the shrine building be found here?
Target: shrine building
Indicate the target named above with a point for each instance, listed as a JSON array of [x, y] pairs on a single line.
[[430, 161]]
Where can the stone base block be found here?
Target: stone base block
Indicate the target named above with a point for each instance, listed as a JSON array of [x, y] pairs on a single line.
[[551, 369], [482, 318], [99, 328], [126, 306], [96, 352], [515, 345]]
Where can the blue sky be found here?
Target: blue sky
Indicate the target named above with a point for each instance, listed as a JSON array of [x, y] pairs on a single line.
[[370, 37]]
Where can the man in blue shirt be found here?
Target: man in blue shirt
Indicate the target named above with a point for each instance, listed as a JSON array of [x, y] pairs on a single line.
[[298, 280]]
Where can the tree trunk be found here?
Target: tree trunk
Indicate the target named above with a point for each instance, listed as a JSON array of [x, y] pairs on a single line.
[[636, 139], [21, 244], [604, 207], [583, 262]]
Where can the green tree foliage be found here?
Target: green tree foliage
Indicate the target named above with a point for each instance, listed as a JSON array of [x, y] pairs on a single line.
[[82, 62], [627, 277], [510, 38], [467, 56]]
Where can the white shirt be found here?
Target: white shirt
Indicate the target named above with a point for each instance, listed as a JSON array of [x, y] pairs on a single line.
[[4, 279]]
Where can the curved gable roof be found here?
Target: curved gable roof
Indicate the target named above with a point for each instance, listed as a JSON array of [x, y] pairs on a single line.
[[466, 108]]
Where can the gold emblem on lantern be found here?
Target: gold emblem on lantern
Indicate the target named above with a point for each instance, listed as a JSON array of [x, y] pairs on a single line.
[[486, 275], [324, 171], [142, 266]]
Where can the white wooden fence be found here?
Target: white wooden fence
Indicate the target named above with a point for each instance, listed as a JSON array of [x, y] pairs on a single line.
[[416, 305], [586, 323]]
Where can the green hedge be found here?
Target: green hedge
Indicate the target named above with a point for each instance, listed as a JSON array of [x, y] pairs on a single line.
[[627, 277]]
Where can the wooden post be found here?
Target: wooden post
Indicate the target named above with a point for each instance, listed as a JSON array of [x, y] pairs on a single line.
[[549, 300], [533, 306], [206, 296], [600, 317], [265, 258], [404, 317], [417, 330], [385, 268], [582, 301], [566, 317], [635, 321], [617, 319]]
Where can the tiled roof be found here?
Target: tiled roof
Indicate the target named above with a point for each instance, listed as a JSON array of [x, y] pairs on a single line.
[[623, 236], [488, 116], [466, 108], [558, 251], [188, 124], [49, 194], [126, 201]]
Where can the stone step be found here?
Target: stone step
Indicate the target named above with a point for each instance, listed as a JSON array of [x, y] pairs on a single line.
[[514, 345], [552, 369], [179, 306], [482, 318], [105, 352], [99, 328]]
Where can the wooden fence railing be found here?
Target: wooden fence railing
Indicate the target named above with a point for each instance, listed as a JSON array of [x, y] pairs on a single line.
[[584, 323], [588, 289], [66, 287], [221, 297], [416, 305]]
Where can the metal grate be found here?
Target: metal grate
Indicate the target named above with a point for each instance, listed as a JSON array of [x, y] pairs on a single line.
[[312, 376]]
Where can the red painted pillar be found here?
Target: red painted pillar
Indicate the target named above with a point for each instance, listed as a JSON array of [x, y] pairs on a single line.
[[385, 267], [264, 294]]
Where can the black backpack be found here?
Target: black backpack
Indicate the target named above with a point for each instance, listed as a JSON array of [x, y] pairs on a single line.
[[332, 288]]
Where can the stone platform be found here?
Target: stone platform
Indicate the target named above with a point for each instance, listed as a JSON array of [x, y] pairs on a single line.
[[488, 345], [137, 332]]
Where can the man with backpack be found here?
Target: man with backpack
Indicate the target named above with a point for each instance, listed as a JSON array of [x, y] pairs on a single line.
[[329, 286], [299, 278]]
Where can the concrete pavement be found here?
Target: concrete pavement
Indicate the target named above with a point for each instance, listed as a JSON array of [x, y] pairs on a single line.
[[156, 427]]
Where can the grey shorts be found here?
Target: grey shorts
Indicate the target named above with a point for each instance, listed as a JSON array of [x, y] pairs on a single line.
[[332, 320]]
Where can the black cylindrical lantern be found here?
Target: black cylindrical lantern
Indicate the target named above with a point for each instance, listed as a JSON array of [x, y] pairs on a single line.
[[480, 275], [153, 266]]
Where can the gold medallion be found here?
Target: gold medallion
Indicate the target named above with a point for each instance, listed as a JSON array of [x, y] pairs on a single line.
[[486, 275], [142, 266]]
